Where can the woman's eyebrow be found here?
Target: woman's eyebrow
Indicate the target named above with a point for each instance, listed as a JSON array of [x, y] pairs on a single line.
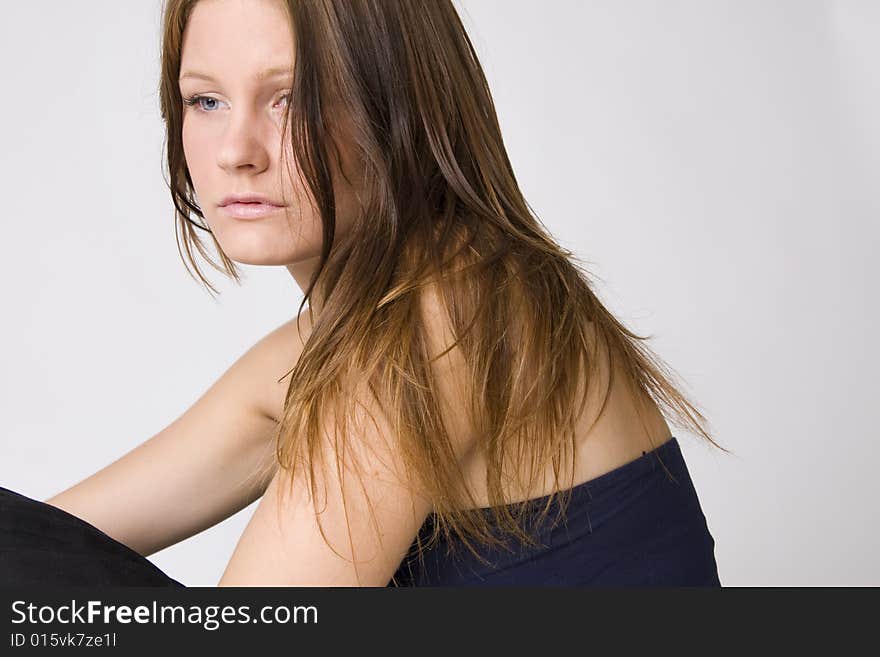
[[273, 72]]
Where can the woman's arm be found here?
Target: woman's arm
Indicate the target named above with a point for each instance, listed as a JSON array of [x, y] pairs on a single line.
[[371, 512], [199, 470]]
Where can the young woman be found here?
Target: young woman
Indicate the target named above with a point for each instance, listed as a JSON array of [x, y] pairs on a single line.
[[455, 406]]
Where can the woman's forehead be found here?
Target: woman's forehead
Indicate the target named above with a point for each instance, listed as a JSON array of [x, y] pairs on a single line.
[[250, 37]]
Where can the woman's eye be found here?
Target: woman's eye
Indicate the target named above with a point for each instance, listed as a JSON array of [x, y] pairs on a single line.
[[196, 101]]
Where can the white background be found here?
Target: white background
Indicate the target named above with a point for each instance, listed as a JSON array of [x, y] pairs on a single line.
[[716, 161]]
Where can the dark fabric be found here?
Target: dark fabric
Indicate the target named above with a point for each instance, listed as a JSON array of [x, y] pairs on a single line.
[[632, 526], [41, 544]]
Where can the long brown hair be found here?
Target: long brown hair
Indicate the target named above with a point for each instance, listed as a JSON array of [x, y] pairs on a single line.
[[442, 213]]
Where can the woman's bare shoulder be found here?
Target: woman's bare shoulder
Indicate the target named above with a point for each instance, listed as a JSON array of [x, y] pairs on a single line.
[[279, 351]]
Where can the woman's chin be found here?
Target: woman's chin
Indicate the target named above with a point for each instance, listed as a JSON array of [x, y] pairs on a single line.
[[258, 250], [259, 258]]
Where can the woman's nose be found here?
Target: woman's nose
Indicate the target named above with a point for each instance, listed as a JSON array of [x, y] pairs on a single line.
[[244, 143]]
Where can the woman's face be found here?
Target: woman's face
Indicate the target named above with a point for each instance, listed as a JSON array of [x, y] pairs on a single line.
[[232, 134]]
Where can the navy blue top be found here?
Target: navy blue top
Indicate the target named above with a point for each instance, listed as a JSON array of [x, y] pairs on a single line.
[[632, 526]]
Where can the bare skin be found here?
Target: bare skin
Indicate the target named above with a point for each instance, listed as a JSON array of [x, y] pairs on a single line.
[[618, 437], [233, 422]]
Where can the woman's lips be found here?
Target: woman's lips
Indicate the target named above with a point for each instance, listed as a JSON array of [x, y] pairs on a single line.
[[250, 210]]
